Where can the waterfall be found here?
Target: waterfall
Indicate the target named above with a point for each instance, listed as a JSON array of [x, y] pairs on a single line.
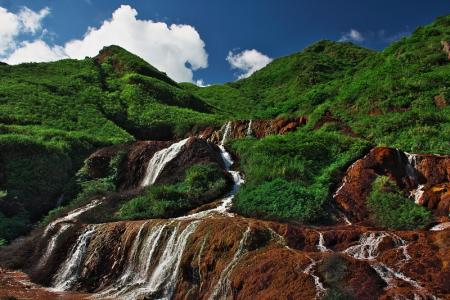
[[52, 244], [320, 290], [69, 271], [440, 227], [72, 215], [321, 245], [159, 160], [226, 133], [417, 193], [227, 201], [367, 248], [223, 285], [249, 132], [410, 166], [388, 275]]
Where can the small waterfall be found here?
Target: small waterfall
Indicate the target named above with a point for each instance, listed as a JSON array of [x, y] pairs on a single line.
[[321, 245], [249, 132], [410, 166], [162, 280], [69, 271], [227, 201], [389, 275], [320, 289], [417, 193], [52, 244], [223, 285], [226, 133], [367, 249], [440, 227], [72, 215], [159, 160]]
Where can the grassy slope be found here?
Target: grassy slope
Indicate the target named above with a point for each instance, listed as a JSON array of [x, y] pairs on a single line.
[[54, 114]]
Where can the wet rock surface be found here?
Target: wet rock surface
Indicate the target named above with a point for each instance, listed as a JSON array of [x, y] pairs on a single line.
[[424, 177]]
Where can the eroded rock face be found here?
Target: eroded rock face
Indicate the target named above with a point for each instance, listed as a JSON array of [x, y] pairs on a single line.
[[239, 258], [254, 128], [425, 177], [137, 155]]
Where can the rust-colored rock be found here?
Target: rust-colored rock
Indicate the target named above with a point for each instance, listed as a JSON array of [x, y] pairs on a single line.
[[255, 128], [407, 170], [138, 154], [328, 117]]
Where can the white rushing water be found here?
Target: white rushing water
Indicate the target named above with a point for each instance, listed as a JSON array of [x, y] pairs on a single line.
[[69, 271], [417, 193], [367, 248], [226, 133], [389, 276], [72, 215], [222, 286], [440, 227], [320, 289], [249, 132], [147, 275], [159, 160], [52, 244], [321, 245]]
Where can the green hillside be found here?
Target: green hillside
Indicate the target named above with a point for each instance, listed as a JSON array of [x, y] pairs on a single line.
[[52, 115]]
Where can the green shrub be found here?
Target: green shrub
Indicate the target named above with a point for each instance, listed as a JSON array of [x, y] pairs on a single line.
[[289, 177], [279, 199], [202, 183], [390, 208]]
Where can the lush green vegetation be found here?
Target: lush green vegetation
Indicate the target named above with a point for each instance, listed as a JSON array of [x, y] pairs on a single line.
[[202, 183], [51, 122], [289, 177], [391, 209]]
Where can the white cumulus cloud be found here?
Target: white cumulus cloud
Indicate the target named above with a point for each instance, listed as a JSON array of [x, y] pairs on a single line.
[[247, 61], [34, 51], [352, 36], [175, 49], [11, 25]]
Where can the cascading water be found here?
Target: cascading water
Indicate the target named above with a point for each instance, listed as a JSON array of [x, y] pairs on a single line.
[[159, 160], [72, 215], [320, 289], [223, 285], [69, 271], [321, 245], [367, 248], [146, 275], [52, 244], [249, 131], [417, 193]]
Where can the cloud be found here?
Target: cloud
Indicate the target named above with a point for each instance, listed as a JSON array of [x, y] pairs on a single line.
[[248, 61], [175, 49], [352, 36], [34, 51], [11, 25], [32, 21]]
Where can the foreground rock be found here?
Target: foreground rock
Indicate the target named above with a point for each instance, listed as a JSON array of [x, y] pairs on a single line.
[[233, 257]]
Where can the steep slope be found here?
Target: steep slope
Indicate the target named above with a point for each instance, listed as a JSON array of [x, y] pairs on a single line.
[[288, 84], [53, 115]]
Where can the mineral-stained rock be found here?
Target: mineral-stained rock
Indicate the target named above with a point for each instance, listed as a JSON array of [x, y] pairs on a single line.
[[254, 128], [413, 173]]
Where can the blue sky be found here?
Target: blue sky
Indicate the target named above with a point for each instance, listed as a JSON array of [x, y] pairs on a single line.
[[199, 51]]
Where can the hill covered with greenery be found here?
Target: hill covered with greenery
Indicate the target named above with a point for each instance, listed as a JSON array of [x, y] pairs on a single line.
[[53, 115]]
